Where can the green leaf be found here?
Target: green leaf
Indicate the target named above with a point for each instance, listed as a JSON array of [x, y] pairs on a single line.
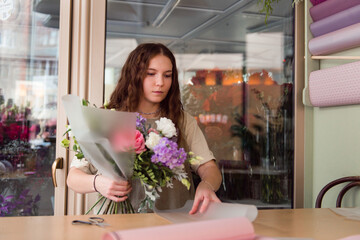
[[79, 155], [67, 131], [266, 7], [65, 143], [85, 102]]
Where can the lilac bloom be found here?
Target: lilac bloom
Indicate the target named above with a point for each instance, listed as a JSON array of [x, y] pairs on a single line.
[[140, 123], [168, 154]]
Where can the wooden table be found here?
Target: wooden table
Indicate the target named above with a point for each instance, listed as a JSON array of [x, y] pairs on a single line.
[[302, 223], [313, 223]]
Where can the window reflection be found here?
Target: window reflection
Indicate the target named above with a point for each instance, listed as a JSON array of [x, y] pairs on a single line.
[[28, 103], [236, 79]]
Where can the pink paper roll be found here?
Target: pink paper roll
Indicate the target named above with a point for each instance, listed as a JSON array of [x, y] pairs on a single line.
[[335, 86], [316, 2], [331, 7], [339, 40], [335, 22], [230, 229]]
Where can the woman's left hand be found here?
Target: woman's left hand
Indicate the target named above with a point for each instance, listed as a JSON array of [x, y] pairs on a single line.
[[204, 195]]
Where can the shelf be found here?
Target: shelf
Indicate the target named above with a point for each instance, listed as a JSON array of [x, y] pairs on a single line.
[[240, 167], [255, 171], [336, 57]]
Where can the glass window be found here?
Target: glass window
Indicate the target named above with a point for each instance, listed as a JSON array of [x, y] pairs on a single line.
[[236, 77], [28, 105]]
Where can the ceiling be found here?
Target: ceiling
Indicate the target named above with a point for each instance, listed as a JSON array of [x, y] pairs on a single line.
[[220, 25], [195, 27]]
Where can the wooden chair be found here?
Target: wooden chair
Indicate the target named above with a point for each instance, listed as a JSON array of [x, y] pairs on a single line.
[[353, 181]]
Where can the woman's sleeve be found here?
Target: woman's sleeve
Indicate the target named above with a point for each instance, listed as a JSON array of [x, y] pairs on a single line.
[[84, 165], [196, 141]]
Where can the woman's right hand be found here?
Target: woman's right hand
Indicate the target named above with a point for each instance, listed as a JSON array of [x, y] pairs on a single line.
[[113, 190]]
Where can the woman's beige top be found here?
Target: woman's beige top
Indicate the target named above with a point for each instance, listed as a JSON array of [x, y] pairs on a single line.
[[192, 140]]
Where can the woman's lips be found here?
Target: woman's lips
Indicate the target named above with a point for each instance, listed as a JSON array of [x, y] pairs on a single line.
[[158, 92]]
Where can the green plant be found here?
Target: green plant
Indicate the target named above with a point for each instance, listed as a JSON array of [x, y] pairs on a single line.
[[268, 7]]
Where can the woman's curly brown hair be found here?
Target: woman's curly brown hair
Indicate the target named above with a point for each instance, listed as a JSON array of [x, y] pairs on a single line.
[[129, 88]]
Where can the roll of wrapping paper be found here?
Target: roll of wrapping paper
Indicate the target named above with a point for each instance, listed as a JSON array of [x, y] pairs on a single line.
[[230, 229], [335, 22], [335, 86], [331, 7], [339, 40], [316, 2]]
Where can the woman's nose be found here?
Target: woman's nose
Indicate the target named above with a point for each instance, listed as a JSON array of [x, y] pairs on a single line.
[[159, 80]]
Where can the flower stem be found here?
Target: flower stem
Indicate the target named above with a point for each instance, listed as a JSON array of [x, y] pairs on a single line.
[[112, 207], [102, 205], [129, 206], [97, 202], [116, 207], [107, 208], [121, 207]]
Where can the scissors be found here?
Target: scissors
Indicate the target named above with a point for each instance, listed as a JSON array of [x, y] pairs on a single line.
[[98, 221]]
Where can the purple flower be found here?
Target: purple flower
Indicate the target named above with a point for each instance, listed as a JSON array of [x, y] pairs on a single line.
[[140, 123], [168, 154], [23, 205]]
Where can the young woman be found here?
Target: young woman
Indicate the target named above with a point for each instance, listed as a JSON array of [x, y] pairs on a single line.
[[149, 85]]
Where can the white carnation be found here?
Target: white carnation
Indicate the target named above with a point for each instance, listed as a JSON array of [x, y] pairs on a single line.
[[152, 140], [166, 127]]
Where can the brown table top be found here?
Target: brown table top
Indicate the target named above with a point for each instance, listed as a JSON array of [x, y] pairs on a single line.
[[301, 223], [312, 223]]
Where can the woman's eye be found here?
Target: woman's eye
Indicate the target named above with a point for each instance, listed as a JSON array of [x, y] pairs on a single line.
[[150, 74], [168, 76]]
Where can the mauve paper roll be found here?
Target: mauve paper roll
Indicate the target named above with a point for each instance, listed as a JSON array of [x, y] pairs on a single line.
[[229, 229], [339, 40], [316, 2], [335, 22], [335, 86], [331, 7]]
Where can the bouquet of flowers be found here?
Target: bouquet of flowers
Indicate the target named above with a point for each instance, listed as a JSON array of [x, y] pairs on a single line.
[[14, 133], [157, 162]]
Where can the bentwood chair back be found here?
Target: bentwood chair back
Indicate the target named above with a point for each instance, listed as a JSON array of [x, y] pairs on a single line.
[[353, 181]]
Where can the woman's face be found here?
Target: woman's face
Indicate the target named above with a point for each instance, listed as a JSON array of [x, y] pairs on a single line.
[[158, 80]]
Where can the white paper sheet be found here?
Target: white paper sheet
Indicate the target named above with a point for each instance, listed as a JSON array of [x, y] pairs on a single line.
[[214, 211], [349, 213], [97, 132]]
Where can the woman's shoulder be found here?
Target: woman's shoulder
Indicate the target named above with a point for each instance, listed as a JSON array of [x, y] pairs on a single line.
[[188, 119], [188, 116]]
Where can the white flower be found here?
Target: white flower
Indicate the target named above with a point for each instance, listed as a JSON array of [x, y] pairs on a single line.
[[166, 127], [152, 140]]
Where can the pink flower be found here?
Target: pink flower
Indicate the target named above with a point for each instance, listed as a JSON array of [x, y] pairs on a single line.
[[139, 142], [13, 131], [24, 135], [1, 133], [122, 141]]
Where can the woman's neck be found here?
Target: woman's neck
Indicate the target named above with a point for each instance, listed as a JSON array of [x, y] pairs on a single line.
[[149, 111]]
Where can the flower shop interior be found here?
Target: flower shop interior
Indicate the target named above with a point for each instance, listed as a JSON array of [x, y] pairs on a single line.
[[249, 73]]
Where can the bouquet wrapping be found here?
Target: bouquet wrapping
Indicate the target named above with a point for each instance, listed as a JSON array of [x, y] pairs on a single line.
[[95, 129]]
